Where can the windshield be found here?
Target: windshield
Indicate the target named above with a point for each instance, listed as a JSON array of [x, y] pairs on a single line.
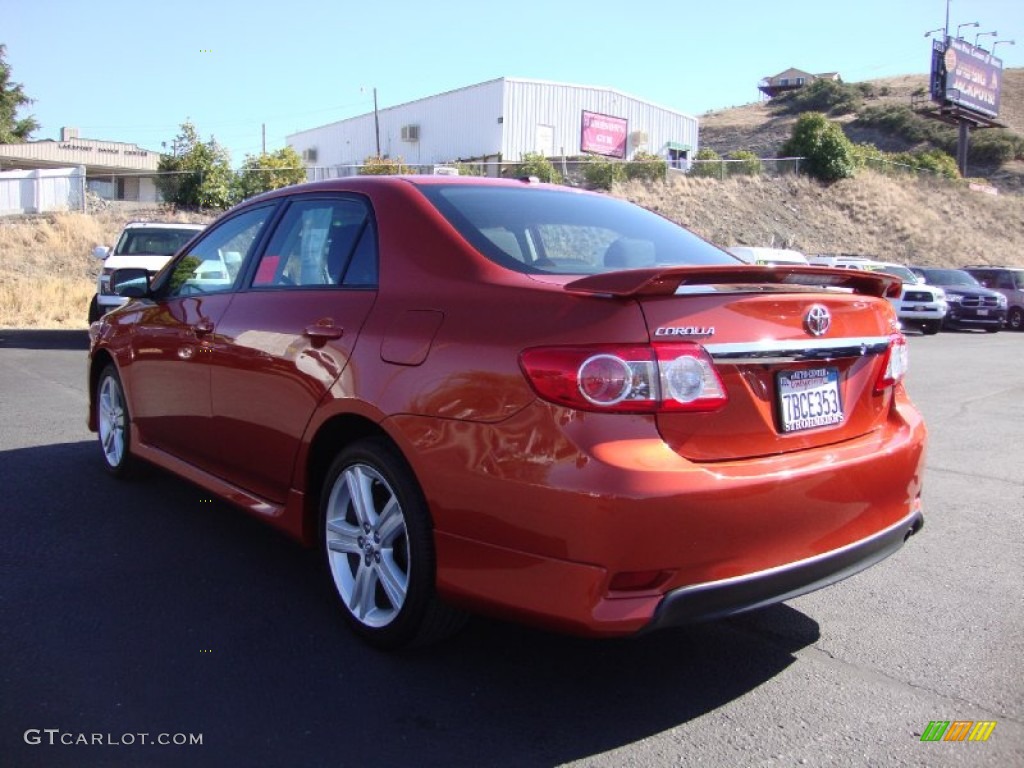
[[153, 242], [549, 231], [903, 273], [950, 277]]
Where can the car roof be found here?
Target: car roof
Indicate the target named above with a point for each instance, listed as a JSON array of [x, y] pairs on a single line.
[[358, 183], [163, 225]]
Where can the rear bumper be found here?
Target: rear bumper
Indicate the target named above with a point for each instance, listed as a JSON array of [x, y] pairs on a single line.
[[718, 599], [629, 536]]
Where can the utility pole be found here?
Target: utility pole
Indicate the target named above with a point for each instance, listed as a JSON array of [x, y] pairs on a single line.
[[376, 121], [264, 138]]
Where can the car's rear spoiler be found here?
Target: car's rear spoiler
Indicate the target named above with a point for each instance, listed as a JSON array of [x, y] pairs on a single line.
[[665, 281]]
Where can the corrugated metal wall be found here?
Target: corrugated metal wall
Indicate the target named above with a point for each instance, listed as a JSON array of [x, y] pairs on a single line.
[[456, 125], [561, 106], [508, 116]]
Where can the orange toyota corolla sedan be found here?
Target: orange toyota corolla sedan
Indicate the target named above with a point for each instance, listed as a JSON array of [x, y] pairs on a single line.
[[506, 397]]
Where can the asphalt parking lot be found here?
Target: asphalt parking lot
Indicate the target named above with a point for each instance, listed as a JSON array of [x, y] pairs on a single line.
[[144, 612]]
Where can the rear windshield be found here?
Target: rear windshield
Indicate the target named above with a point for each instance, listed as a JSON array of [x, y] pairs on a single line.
[[549, 231], [950, 277], [153, 242]]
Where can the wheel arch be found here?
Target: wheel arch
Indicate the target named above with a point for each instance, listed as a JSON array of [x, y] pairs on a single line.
[[331, 437]]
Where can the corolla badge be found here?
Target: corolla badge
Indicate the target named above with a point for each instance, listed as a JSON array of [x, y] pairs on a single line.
[[817, 320], [685, 330]]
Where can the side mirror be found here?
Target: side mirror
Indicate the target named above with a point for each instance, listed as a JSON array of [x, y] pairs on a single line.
[[101, 251], [130, 282]]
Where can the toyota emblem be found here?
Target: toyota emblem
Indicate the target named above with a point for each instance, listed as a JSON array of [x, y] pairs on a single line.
[[817, 320]]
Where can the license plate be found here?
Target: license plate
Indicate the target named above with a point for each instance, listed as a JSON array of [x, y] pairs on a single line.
[[809, 399], [920, 308], [982, 312]]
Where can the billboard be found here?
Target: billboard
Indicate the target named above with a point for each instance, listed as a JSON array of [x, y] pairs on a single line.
[[966, 76], [604, 135]]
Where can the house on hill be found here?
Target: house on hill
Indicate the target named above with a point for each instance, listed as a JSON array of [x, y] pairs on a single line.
[[791, 79]]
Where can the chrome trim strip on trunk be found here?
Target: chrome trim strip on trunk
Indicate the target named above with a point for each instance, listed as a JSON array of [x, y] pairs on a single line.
[[793, 351]]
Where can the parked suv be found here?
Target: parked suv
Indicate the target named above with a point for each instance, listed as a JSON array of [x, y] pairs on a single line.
[[919, 305], [144, 244], [1008, 281], [970, 304]]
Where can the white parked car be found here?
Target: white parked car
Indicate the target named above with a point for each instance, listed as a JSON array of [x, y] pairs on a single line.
[[766, 256], [920, 305], [145, 244]]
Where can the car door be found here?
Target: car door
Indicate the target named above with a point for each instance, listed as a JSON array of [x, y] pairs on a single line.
[[173, 339], [287, 338]]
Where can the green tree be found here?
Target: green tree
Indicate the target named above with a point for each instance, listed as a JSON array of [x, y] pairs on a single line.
[[270, 170], [12, 97], [197, 174], [829, 155]]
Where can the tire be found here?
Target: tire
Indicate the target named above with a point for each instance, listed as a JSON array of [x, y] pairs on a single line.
[[930, 329], [377, 544], [1015, 320], [114, 422], [94, 310]]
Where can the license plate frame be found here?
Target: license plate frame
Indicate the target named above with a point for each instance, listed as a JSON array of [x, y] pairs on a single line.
[[808, 398]]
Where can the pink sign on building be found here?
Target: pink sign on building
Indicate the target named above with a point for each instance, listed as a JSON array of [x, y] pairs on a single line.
[[604, 135]]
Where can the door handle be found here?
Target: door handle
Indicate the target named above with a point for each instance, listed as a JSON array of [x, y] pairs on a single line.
[[323, 332]]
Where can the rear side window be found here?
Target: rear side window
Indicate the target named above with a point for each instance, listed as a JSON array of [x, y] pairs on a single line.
[[320, 242], [562, 232]]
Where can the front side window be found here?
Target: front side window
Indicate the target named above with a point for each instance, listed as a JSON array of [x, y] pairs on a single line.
[[563, 232], [320, 242], [212, 265]]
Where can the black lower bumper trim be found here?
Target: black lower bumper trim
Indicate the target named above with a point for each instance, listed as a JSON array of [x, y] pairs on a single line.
[[718, 599]]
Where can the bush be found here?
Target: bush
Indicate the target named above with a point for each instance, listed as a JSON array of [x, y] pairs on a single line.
[[827, 96], [601, 172], [707, 164], [829, 154], [384, 166], [748, 164], [535, 164], [646, 167]]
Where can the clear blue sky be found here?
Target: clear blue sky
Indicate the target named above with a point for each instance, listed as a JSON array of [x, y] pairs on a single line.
[[134, 71]]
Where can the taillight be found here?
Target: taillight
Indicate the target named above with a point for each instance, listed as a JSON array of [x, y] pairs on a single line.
[[626, 379], [896, 360]]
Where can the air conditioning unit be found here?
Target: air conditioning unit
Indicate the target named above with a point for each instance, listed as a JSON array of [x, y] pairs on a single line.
[[309, 155], [410, 133]]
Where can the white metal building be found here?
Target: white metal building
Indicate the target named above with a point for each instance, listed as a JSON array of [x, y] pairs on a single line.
[[500, 121]]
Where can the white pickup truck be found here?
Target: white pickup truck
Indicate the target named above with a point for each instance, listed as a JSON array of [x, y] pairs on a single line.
[[144, 244]]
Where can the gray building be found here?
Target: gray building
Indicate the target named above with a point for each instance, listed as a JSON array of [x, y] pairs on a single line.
[[500, 121], [114, 170]]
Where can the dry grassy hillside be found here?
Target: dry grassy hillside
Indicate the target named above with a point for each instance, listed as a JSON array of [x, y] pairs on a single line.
[[47, 275], [756, 128], [906, 220]]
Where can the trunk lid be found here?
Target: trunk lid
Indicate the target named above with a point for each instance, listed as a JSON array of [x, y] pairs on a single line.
[[799, 351]]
